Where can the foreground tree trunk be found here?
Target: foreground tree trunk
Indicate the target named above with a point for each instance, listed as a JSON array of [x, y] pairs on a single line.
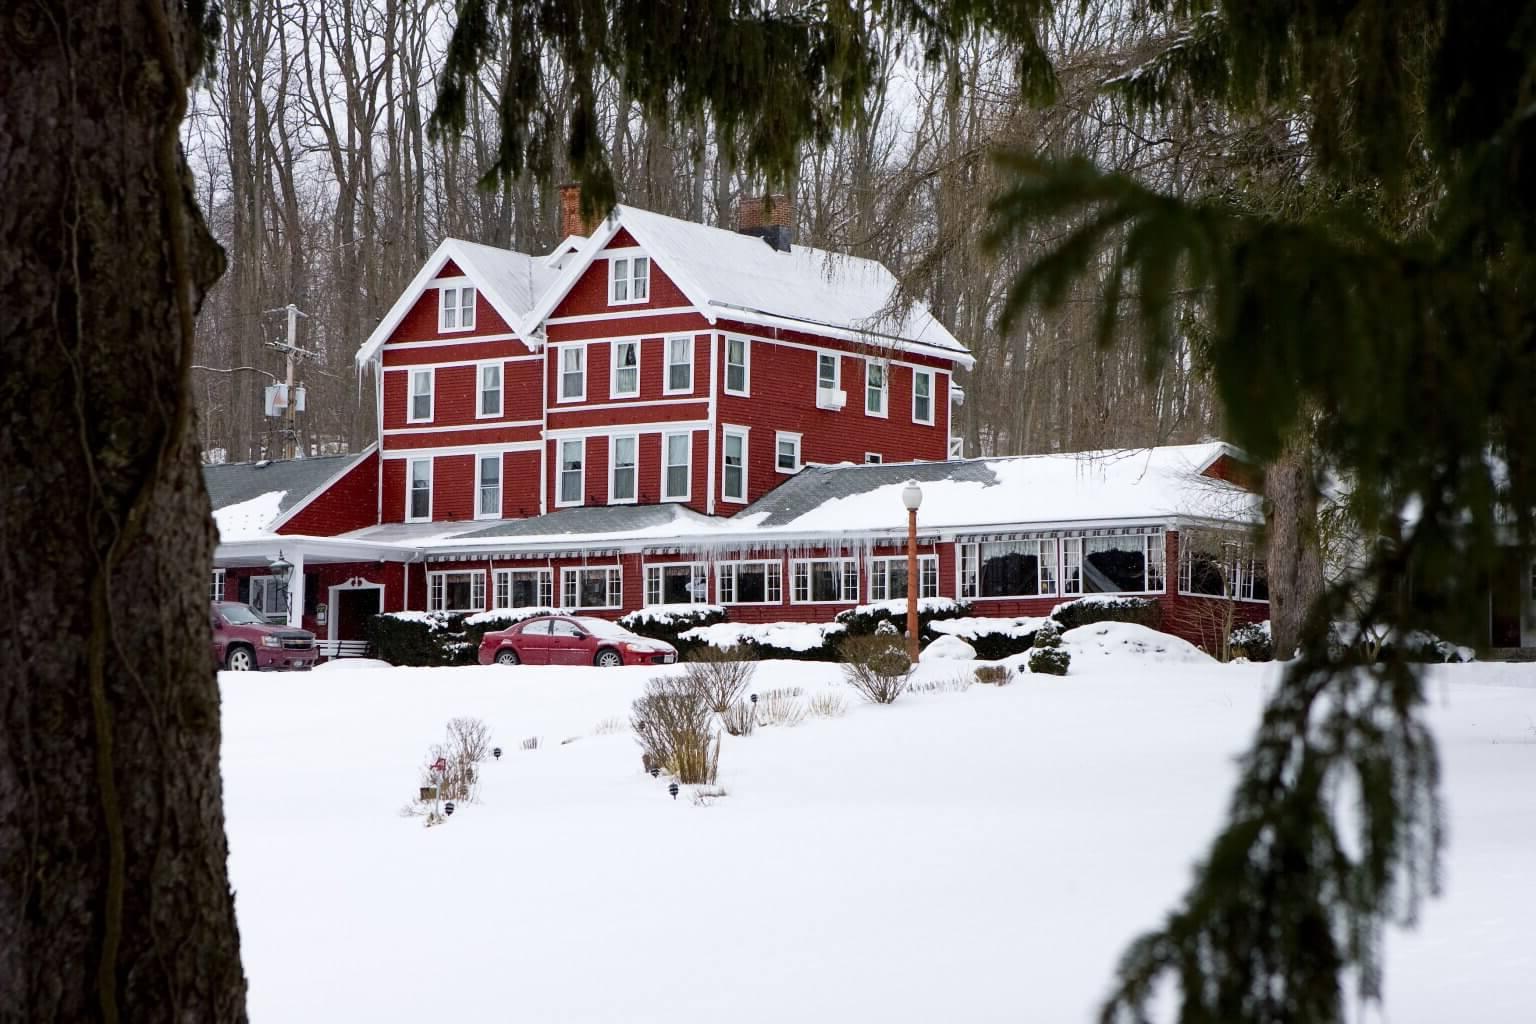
[[114, 894], [1293, 550]]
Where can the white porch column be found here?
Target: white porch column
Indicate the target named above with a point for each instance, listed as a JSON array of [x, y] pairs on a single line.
[[296, 590]]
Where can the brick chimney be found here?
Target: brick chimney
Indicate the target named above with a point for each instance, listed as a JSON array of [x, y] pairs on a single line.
[[571, 220], [770, 218]]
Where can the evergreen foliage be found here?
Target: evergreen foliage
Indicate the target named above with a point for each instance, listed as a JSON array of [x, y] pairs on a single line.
[[1141, 610], [1049, 657]]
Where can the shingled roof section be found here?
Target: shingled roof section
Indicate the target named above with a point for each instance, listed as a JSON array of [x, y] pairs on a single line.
[[235, 482], [814, 486]]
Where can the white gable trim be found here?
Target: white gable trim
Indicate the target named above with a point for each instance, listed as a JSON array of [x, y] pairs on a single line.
[[314, 495], [450, 249]]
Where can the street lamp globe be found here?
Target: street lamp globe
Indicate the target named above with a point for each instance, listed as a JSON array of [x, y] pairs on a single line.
[[912, 496]]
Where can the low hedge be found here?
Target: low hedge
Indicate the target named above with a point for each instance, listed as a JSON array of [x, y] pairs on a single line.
[[1251, 640], [865, 619], [670, 621], [419, 639], [990, 646], [1141, 610]]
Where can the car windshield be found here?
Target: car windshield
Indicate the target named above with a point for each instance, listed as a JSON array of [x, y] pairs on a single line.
[[604, 628], [240, 615]]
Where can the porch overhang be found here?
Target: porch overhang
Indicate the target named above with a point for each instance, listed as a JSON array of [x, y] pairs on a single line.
[[259, 551]]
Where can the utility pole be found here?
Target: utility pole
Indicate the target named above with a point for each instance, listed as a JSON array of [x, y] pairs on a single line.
[[293, 353]]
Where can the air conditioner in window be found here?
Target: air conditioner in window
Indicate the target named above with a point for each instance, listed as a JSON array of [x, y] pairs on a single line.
[[831, 398]]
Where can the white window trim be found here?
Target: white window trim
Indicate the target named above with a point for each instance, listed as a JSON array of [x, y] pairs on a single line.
[[746, 463], [410, 394], [746, 367], [457, 287], [695, 570], [613, 369], [1241, 570], [613, 448], [501, 390], [873, 459], [546, 582], [667, 364], [474, 574], [778, 438], [560, 350], [410, 476], [734, 568], [688, 491], [922, 560], [932, 387], [842, 577], [216, 585], [1056, 564], [501, 473], [824, 395], [571, 571], [628, 257], [885, 389], [1146, 537], [560, 471]]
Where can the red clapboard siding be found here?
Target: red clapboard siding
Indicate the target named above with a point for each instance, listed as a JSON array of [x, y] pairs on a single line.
[[652, 380], [590, 292], [421, 323], [350, 503], [648, 468]]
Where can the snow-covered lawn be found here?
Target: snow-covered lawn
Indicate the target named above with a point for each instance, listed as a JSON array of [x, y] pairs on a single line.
[[975, 856]]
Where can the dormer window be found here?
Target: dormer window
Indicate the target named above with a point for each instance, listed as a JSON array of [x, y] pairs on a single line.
[[456, 309], [629, 279]]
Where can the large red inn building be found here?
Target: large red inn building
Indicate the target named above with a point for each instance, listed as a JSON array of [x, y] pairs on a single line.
[[660, 412]]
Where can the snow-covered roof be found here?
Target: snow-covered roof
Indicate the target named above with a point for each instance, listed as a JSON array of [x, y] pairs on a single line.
[[512, 282], [1030, 490], [602, 525], [734, 276], [250, 499]]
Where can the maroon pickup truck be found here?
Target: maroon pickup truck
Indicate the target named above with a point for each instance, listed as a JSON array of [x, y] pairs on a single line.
[[243, 641]]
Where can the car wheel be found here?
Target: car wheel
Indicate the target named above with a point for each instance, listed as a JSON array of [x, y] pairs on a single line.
[[608, 658], [240, 659], [507, 657]]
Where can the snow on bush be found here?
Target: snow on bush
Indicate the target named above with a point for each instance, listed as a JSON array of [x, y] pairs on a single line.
[[1049, 657], [796, 640], [1251, 640], [1107, 608], [864, 619], [1106, 638], [671, 622], [498, 618], [991, 638], [950, 647]]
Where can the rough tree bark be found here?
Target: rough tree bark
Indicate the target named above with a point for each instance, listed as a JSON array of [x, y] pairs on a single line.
[[1292, 547], [114, 894]]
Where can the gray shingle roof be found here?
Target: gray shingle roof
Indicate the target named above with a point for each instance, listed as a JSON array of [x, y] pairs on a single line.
[[596, 519], [235, 482], [814, 486]]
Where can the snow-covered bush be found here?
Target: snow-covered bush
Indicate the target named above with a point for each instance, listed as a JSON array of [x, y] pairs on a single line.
[[788, 641], [876, 666], [1049, 657], [1094, 608], [720, 674], [1251, 640], [951, 648], [417, 639], [864, 619], [668, 622], [674, 727], [992, 638]]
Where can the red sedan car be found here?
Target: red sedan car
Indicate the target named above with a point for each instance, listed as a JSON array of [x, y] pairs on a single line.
[[572, 640]]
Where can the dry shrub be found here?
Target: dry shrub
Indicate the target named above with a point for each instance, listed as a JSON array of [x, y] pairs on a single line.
[[827, 705], [609, 726], [720, 674], [673, 725], [993, 675], [531, 743], [954, 684], [780, 707], [877, 667], [706, 795], [739, 719]]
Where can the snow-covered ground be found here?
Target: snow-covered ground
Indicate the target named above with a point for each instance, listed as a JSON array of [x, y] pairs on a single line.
[[959, 856]]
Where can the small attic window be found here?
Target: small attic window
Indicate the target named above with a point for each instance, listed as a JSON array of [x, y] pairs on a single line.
[[456, 309], [629, 280]]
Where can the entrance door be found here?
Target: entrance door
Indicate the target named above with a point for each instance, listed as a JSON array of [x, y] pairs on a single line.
[[353, 609], [1506, 602]]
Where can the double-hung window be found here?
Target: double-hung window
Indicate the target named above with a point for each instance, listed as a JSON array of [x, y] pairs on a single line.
[[490, 391], [589, 587], [737, 358], [922, 396], [677, 583], [456, 591], [421, 397], [456, 309], [829, 381], [629, 280], [786, 452], [1113, 564], [875, 387], [825, 581], [573, 373], [488, 485], [679, 366], [749, 582], [733, 479], [888, 577], [523, 588], [676, 465], [573, 463], [1012, 568], [626, 370], [418, 498], [218, 585], [621, 469]]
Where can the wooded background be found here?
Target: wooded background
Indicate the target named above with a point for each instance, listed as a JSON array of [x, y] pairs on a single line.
[[319, 175]]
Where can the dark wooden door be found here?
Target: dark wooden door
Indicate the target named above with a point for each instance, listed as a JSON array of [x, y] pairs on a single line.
[[353, 609]]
